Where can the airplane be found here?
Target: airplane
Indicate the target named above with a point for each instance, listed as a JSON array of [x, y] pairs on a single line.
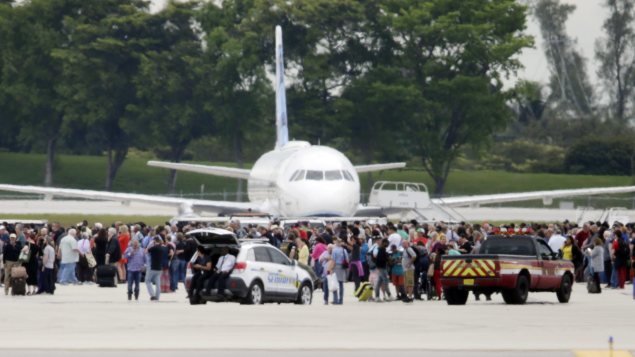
[[296, 179]]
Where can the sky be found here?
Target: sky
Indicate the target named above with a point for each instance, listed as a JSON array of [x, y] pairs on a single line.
[[584, 25]]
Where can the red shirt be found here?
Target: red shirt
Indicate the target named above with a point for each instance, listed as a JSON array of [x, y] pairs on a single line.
[[581, 237], [124, 239]]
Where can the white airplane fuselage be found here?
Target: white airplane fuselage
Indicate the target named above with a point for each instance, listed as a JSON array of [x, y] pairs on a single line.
[[301, 180]]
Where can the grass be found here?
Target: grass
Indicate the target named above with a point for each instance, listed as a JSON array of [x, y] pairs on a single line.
[[88, 172], [68, 220]]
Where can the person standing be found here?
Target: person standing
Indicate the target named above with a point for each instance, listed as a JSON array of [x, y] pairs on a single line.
[[179, 262], [113, 249], [69, 256], [124, 240], [48, 265], [101, 246], [32, 264], [328, 265], [340, 256], [408, 261], [380, 256], [319, 248], [136, 260], [355, 264], [10, 256], [153, 275], [168, 255], [84, 271], [597, 261], [303, 251]]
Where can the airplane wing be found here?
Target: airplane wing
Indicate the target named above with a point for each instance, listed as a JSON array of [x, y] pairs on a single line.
[[379, 167], [184, 205], [203, 169], [546, 196]]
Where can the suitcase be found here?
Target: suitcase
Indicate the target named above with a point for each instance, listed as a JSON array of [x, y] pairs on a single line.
[[18, 286], [18, 272], [106, 276], [592, 287], [364, 292]]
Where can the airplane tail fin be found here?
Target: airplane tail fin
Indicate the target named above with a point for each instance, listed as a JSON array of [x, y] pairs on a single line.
[[282, 129]]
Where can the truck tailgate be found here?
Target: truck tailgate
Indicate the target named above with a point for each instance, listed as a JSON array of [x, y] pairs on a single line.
[[469, 267]]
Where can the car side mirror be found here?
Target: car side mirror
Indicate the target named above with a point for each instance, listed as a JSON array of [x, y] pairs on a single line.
[[293, 262], [558, 255]]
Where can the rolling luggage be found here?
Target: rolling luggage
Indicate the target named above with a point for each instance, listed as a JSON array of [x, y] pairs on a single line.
[[18, 272], [106, 276], [18, 286], [592, 287], [364, 292]]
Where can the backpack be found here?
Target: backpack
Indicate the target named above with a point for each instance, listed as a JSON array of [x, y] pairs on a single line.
[[623, 251]]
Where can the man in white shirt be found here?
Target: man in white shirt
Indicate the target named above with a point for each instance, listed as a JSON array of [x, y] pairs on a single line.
[[556, 241], [224, 266], [69, 256], [394, 238]]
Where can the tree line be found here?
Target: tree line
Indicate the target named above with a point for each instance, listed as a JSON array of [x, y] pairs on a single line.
[[381, 80]]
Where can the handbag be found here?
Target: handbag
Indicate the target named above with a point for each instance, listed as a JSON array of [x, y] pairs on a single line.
[[332, 282], [25, 254], [431, 266], [91, 260]]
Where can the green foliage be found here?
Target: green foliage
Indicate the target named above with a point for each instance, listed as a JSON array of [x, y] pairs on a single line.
[[525, 156], [601, 156], [615, 54], [456, 53], [87, 171]]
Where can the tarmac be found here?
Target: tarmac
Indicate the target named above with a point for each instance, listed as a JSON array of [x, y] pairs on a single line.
[[92, 321], [9, 207]]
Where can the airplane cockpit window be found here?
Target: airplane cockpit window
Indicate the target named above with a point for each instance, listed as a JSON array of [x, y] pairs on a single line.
[[295, 174], [300, 176], [333, 175], [347, 176], [315, 175]]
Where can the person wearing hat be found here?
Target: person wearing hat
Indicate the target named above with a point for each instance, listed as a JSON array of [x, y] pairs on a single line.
[[153, 276], [10, 255]]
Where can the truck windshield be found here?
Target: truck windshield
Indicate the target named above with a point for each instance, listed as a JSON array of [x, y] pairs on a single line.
[[510, 246]]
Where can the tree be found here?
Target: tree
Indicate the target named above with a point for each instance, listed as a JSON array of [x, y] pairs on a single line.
[[455, 53], [172, 87], [240, 92], [528, 101], [570, 88], [109, 37], [616, 54], [32, 77], [615, 156]]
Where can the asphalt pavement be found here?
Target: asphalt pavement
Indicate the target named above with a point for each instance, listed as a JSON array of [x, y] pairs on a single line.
[[94, 321]]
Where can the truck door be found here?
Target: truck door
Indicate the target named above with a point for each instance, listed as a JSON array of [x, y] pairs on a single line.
[[548, 279]]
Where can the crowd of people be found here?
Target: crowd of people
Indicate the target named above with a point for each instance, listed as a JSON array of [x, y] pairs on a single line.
[[406, 255]]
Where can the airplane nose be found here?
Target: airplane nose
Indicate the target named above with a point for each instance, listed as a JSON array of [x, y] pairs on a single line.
[[336, 200]]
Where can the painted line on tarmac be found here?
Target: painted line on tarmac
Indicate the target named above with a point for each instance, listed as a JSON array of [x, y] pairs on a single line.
[[602, 353]]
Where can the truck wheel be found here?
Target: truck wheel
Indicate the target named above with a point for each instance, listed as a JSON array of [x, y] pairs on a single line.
[[564, 293], [518, 295], [456, 296]]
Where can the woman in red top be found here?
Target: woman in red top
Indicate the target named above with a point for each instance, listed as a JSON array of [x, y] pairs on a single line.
[[124, 240]]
